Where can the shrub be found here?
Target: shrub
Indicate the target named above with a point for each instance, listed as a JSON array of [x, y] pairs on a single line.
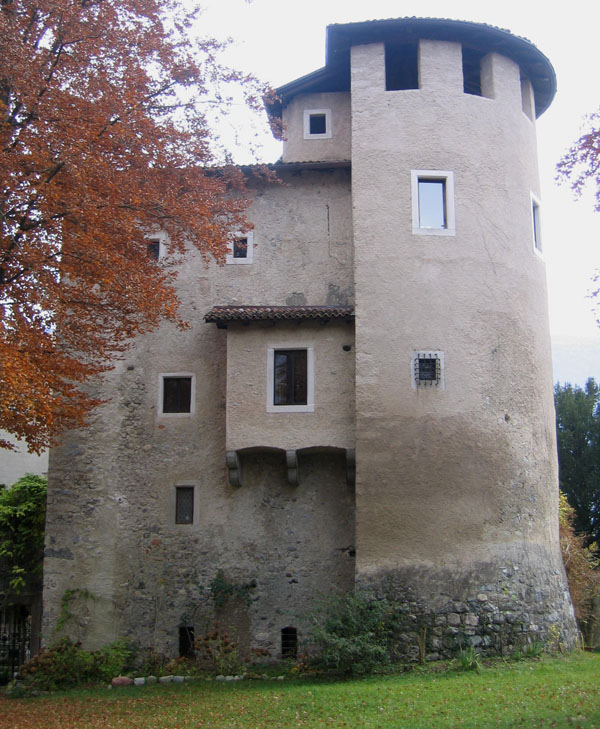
[[581, 565], [468, 659], [217, 652], [65, 665], [356, 633]]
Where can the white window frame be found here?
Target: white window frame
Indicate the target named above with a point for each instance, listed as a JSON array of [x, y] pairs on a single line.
[[447, 177], [161, 380], [328, 126], [173, 504], [310, 377], [161, 237], [439, 384], [537, 239], [249, 235]]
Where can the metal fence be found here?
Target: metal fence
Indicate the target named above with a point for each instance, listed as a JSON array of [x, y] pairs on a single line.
[[15, 634]]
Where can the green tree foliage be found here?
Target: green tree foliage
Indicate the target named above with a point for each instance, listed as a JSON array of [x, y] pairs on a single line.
[[22, 524], [578, 428]]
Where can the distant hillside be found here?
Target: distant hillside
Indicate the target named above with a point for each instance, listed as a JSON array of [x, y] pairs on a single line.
[[574, 359]]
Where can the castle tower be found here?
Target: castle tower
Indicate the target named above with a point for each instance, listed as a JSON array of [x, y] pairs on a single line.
[[374, 405], [456, 475]]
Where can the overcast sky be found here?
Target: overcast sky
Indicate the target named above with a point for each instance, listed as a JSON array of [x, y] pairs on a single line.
[[280, 40]]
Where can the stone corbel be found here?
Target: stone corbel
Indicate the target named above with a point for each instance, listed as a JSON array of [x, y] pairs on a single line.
[[234, 467], [350, 466], [291, 461]]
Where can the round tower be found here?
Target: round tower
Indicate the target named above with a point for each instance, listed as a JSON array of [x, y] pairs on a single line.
[[456, 468]]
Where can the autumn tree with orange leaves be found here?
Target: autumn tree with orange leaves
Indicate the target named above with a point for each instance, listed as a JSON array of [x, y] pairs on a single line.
[[104, 139]]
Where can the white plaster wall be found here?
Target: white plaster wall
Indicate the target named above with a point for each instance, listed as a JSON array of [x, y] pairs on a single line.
[[330, 425], [454, 476], [298, 149]]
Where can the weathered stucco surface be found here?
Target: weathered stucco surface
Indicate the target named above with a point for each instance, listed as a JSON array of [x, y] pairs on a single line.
[[469, 485], [455, 511]]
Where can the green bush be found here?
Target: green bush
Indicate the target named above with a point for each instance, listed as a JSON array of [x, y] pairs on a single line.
[[65, 665], [468, 659], [355, 635]]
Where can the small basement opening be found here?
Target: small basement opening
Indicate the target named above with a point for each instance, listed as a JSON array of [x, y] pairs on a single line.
[[186, 641], [289, 642]]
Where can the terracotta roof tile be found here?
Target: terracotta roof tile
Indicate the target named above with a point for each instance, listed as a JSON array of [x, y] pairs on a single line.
[[220, 315]]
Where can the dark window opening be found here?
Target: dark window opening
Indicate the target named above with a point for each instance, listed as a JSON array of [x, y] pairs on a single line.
[[471, 65], [432, 203], [186, 641], [290, 377], [289, 642], [153, 248], [177, 394], [317, 124], [401, 66], [240, 248], [428, 369], [184, 504]]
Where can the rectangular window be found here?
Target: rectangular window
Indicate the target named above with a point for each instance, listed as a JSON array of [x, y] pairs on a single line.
[[153, 248], [433, 202], [401, 66], [241, 248], [317, 124], [290, 380], [184, 504], [176, 394], [156, 245]]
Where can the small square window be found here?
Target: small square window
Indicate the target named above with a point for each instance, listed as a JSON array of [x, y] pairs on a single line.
[[433, 202], [176, 394], [317, 124], [428, 369], [290, 380], [184, 504], [241, 248]]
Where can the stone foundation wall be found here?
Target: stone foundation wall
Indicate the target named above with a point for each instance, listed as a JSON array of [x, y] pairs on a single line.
[[496, 608]]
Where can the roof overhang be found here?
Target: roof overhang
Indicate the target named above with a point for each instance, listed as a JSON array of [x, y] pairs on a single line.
[[335, 76], [224, 315]]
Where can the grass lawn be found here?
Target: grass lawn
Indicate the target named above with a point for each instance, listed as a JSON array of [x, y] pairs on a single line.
[[552, 692]]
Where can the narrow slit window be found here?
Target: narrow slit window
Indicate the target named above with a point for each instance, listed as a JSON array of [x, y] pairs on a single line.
[[471, 66], [289, 642], [290, 380], [536, 224], [177, 395], [184, 505]]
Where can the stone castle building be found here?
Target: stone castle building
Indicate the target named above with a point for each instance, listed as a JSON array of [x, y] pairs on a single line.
[[364, 395]]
